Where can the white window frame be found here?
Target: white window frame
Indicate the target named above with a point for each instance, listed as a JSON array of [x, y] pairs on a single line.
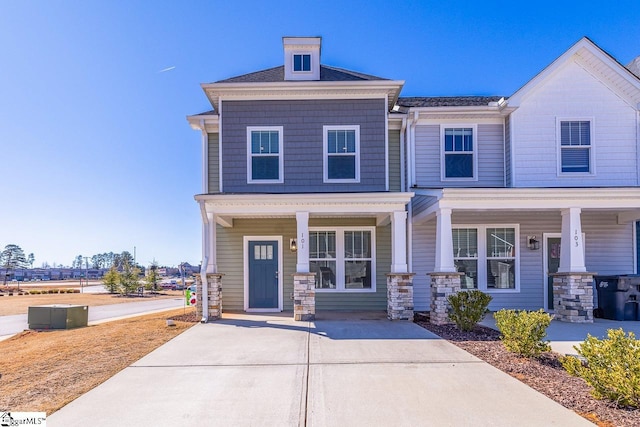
[[483, 257], [325, 150], [340, 259], [474, 132], [293, 62], [280, 130], [592, 150]]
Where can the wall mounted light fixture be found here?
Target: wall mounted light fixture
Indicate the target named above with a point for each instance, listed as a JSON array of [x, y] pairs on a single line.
[[293, 245], [533, 243]]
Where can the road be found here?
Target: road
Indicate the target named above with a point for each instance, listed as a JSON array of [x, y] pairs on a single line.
[[10, 325]]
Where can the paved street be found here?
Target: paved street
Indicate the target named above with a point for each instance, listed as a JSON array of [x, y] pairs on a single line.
[[10, 325]]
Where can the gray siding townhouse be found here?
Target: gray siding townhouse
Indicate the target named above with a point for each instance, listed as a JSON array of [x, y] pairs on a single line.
[[302, 204], [323, 189]]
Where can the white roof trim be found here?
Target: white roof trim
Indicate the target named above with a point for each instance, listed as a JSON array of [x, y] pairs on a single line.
[[584, 43], [352, 204], [518, 199]]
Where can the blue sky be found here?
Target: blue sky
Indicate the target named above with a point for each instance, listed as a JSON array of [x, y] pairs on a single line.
[[96, 152]]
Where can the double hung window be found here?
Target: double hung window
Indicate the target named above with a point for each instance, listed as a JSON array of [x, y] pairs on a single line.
[[341, 145], [264, 162], [487, 255], [343, 259], [575, 146], [459, 152]]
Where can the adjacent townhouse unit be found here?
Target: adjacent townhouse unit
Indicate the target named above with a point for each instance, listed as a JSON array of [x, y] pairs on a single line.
[[323, 189]]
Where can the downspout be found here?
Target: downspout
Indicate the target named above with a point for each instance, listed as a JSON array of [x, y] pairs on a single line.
[[205, 264]]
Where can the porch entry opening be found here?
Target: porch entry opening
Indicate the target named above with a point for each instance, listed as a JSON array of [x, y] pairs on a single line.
[[263, 274]]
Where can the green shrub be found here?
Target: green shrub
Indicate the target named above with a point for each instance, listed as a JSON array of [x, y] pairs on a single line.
[[468, 308], [612, 367], [522, 331]]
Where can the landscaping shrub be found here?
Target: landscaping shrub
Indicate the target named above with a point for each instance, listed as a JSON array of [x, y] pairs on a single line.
[[76, 291], [468, 308], [611, 367], [522, 331]]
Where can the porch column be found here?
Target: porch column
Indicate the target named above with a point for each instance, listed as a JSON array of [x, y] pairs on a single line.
[[399, 242], [571, 245], [572, 285], [212, 264], [444, 242], [302, 240]]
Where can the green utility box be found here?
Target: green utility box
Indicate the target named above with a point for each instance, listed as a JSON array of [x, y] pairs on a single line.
[[58, 316]]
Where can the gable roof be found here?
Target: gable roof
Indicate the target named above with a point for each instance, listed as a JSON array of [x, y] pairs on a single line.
[[276, 74], [606, 68]]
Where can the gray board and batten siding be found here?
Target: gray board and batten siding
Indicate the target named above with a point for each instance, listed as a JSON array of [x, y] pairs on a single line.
[[490, 152], [395, 181], [608, 250], [230, 261], [303, 122]]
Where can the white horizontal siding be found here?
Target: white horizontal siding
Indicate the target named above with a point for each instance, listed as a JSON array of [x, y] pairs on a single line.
[[574, 93], [608, 250]]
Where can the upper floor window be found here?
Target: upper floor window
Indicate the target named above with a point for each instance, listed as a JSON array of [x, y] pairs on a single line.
[[264, 159], [301, 62], [341, 153], [575, 146], [458, 153]]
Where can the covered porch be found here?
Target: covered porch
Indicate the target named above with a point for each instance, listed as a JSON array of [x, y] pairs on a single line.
[[357, 239], [513, 240]]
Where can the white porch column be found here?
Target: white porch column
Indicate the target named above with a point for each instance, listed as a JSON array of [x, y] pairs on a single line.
[[399, 242], [212, 265], [444, 242], [302, 239], [571, 245]]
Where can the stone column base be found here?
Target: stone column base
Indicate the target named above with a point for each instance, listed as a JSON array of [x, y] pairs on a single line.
[[442, 285], [573, 297], [400, 296], [214, 298], [304, 296]]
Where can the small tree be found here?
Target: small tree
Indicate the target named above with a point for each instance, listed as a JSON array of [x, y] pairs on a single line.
[[152, 277], [111, 280], [129, 279]]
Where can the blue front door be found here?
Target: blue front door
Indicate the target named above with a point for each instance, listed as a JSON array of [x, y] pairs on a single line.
[[263, 274]]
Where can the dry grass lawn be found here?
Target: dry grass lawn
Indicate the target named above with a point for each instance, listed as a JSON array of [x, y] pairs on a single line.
[[43, 371], [19, 304]]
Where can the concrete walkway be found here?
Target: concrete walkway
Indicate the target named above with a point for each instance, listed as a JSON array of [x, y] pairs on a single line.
[[565, 336], [271, 371]]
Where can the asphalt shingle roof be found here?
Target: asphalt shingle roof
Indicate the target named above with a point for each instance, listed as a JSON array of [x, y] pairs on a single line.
[[447, 101], [276, 74]]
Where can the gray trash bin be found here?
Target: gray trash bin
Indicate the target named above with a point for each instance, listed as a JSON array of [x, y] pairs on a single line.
[[618, 297]]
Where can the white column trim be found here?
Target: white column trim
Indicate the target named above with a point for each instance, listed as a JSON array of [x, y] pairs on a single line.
[[571, 243], [212, 263], [302, 240], [399, 242], [444, 242]]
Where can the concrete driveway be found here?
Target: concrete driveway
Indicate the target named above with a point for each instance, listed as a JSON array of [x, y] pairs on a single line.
[[271, 371]]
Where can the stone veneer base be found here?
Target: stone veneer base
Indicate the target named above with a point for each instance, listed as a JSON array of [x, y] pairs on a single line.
[[304, 297], [573, 297], [214, 300], [442, 285], [400, 296]]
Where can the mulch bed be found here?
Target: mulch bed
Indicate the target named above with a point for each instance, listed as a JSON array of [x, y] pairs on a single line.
[[544, 374]]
